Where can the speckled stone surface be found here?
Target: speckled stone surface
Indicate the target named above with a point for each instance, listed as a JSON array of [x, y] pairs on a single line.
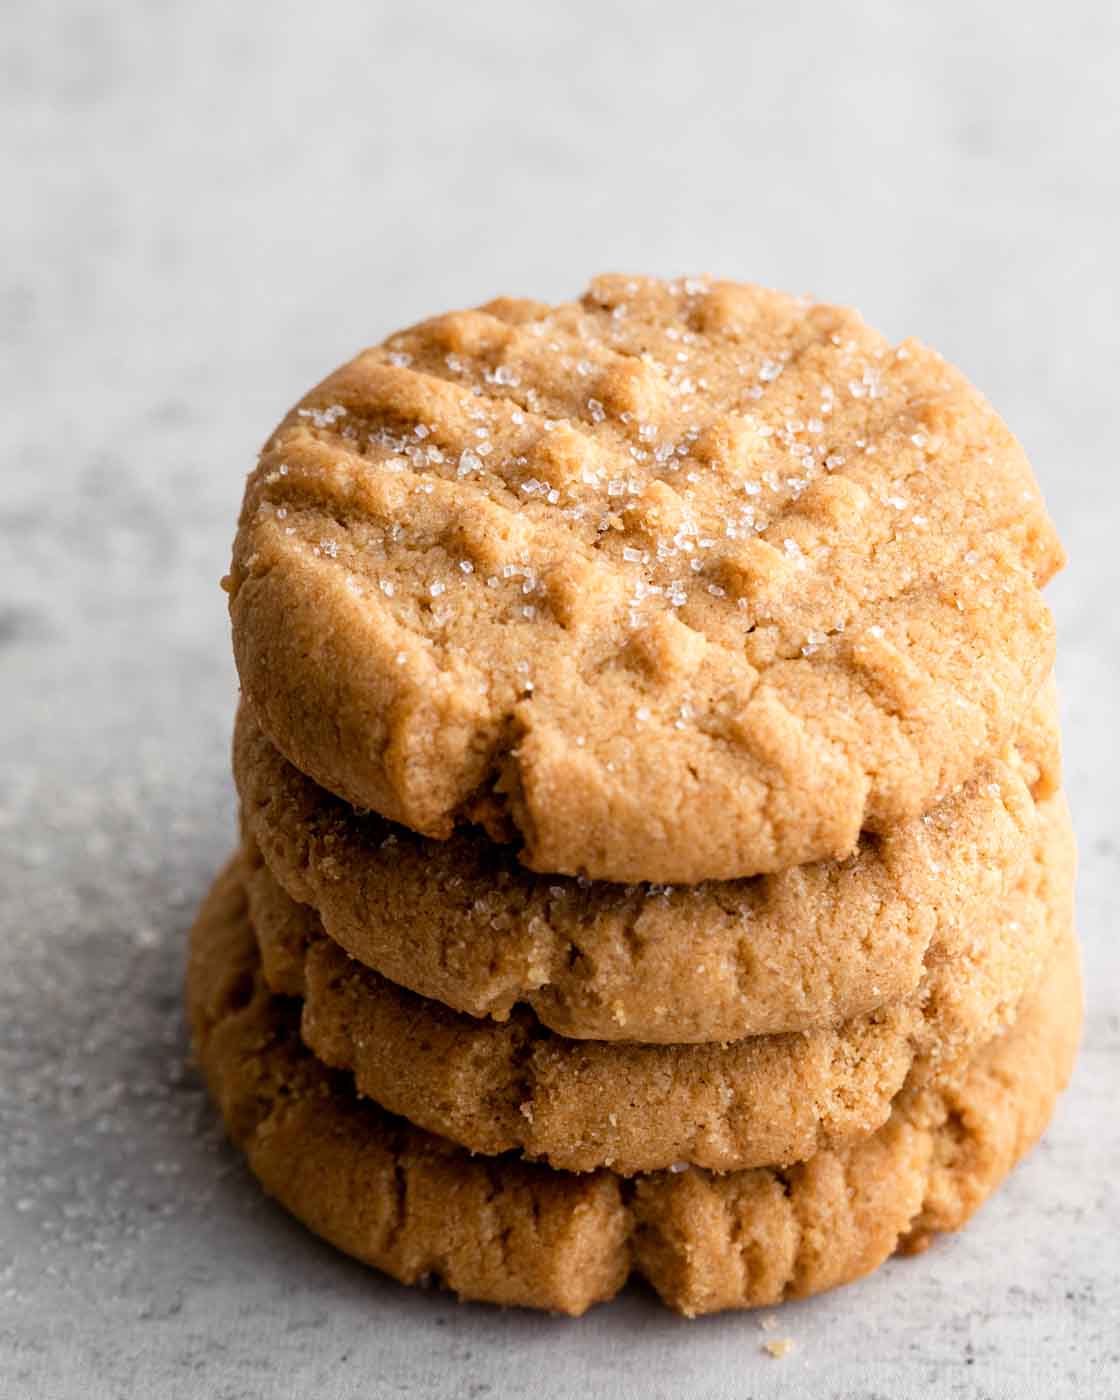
[[206, 206]]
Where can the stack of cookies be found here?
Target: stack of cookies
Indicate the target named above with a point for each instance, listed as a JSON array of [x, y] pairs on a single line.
[[653, 859]]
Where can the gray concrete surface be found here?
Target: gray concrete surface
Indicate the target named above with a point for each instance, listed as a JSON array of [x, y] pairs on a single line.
[[204, 206]]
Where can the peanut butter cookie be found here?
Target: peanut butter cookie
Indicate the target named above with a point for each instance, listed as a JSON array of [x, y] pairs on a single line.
[[682, 581]]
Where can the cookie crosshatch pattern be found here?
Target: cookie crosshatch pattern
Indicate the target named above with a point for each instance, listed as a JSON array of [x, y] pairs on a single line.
[[682, 581]]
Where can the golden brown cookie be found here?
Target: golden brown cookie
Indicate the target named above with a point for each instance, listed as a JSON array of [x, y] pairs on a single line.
[[580, 1105], [461, 922], [682, 581], [512, 1232]]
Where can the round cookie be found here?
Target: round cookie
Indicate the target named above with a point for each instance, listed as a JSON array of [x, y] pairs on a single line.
[[512, 1232], [580, 1105], [461, 922], [682, 581]]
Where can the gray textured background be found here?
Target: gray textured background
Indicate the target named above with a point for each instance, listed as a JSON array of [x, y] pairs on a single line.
[[205, 206]]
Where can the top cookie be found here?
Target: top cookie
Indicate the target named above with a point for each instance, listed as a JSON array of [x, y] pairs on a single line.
[[683, 581]]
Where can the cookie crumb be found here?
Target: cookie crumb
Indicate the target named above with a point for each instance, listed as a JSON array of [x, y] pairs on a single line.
[[779, 1347]]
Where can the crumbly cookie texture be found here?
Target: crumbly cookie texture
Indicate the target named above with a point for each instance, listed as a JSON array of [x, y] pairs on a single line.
[[511, 1232], [682, 581], [580, 1105], [462, 922]]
